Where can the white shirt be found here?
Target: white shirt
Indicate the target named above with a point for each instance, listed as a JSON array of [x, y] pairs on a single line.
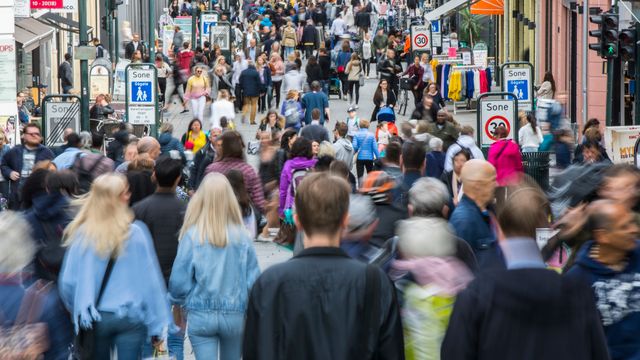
[[293, 80], [221, 108], [428, 73], [337, 27], [527, 138]]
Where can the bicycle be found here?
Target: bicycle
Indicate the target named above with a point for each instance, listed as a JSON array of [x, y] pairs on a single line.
[[403, 96]]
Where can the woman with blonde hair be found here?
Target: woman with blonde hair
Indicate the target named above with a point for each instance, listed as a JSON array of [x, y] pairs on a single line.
[[110, 279], [198, 88], [222, 107], [277, 74], [292, 110], [214, 270]]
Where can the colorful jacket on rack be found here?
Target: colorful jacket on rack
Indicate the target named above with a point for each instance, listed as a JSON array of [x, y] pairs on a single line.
[[445, 81], [455, 86], [484, 87], [470, 88]]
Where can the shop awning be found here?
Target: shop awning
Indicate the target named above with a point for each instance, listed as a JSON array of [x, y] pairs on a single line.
[[488, 7], [31, 33], [61, 22], [445, 9]]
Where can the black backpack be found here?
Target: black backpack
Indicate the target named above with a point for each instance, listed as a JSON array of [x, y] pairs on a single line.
[[84, 167]]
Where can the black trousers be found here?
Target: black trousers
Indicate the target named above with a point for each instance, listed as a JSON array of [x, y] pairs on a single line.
[[361, 165], [162, 84], [277, 86], [354, 85], [367, 66]]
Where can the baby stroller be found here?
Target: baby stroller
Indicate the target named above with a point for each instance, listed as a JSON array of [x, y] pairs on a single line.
[[386, 114], [334, 84]]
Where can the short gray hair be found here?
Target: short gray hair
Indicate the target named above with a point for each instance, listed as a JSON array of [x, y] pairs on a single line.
[[17, 248], [85, 139], [436, 144], [428, 196]]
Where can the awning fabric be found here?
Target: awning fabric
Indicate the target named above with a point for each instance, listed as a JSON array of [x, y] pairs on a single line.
[[445, 9], [61, 22], [30, 33], [488, 7]]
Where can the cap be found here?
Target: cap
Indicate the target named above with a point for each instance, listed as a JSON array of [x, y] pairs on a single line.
[[351, 109], [362, 213], [378, 184]]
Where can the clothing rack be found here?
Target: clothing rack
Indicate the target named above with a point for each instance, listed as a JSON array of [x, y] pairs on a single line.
[[464, 105]]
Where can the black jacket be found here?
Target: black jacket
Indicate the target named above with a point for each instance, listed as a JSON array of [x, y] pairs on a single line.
[[325, 66], [250, 82], [314, 73], [311, 307], [204, 157], [129, 49], [100, 112], [310, 36], [115, 150], [163, 214], [524, 314]]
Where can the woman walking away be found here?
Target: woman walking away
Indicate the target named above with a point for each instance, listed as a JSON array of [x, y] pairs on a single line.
[[530, 134], [222, 107], [366, 53], [343, 57], [197, 91], [246, 208], [548, 87], [505, 156], [364, 143], [214, 270], [110, 279], [354, 71]]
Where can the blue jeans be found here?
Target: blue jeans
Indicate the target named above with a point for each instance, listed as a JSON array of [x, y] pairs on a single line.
[[325, 87], [175, 345], [123, 334], [287, 51], [209, 331]]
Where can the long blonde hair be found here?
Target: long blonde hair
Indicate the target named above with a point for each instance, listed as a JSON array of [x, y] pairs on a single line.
[[212, 208], [104, 218]]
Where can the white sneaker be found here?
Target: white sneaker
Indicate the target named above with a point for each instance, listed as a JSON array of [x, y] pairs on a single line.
[[263, 238]]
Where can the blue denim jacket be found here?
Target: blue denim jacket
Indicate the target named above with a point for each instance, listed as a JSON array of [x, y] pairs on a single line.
[[473, 225], [209, 278]]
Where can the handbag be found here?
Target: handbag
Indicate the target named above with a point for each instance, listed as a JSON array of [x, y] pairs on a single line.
[[286, 235], [361, 77], [84, 341], [26, 339]]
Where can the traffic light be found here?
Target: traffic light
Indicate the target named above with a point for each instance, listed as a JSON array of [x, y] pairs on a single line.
[[104, 23], [610, 35], [596, 19], [627, 46], [113, 4]]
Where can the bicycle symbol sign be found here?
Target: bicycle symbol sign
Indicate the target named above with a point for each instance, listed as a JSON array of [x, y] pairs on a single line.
[[421, 40]]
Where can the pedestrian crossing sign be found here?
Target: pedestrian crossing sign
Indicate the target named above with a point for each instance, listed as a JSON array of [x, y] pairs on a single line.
[[141, 92]]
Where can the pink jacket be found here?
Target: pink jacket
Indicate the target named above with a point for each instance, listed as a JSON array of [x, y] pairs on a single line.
[[505, 156]]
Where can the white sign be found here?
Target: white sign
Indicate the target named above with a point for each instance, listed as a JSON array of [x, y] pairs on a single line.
[[8, 80], [141, 101], [420, 37], [466, 58], [141, 115], [480, 58], [436, 39], [543, 235], [142, 86], [68, 6], [206, 22], [22, 8], [495, 113], [59, 116], [517, 81], [620, 142], [221, 35]]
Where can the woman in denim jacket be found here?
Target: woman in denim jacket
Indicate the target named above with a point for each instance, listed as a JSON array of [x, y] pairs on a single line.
[[214, 270]]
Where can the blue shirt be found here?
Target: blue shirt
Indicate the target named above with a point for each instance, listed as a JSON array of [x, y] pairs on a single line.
[[473, 225], [67, 158], [314, 100]]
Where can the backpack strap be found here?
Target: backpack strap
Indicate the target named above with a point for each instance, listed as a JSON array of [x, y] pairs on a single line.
[[371, 307], [105, 279]]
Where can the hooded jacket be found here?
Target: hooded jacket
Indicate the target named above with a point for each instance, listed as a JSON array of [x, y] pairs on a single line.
[[286, 195], [524, 313], [169, 143], [617, 298], [467, 142], [505, 156], [344, 151]]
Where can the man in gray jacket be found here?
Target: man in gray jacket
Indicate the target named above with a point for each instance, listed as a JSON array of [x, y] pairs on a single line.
[[342, 146], [65, 74], [178, 39]]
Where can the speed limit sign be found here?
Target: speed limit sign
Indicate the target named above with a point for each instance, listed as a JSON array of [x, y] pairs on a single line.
[[420, 37], [493, 114]]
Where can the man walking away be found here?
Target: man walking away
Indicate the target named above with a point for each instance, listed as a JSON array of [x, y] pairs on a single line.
[[163, 214], [316, 99], [524, 311], [610, 264], [250, 84], [65, 74], [321, 304], [71, 153]]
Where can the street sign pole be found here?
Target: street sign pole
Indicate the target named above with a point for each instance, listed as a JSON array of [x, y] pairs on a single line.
[[143, 110], [509, 65], [152, 31], [84, 67], [513, 127], [67, 110]]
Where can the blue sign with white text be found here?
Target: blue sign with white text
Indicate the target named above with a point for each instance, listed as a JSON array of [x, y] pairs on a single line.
[[141, 92], [520, 88]]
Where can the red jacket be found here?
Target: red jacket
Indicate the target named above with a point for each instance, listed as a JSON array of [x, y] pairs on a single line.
[[184, 60], [413, 71]]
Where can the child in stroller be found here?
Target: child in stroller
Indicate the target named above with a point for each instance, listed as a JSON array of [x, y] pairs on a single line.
[[334, 84]]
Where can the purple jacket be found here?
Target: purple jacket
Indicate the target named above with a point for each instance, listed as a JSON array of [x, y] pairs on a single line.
[[286, 196]]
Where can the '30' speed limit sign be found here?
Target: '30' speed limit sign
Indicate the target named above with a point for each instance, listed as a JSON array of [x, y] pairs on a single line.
[[420, 37]]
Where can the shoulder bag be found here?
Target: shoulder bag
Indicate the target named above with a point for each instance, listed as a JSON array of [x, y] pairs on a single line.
[[84, 342]]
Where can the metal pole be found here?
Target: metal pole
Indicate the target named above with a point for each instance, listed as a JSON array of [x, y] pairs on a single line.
[[84, 68], [152, 31], [507, 20], [194, 28], [585, 59], [116, 36]]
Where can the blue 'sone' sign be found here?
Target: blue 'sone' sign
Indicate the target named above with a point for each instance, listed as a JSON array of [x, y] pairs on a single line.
[[520, 88], [435, 27], [141, 92]]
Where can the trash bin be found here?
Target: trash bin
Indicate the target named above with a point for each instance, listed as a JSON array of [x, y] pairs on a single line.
[[536, 165]]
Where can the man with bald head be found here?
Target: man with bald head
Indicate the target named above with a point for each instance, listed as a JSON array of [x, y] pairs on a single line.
[[148, 148], [473, 218], [523, 310], [610, 263]]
